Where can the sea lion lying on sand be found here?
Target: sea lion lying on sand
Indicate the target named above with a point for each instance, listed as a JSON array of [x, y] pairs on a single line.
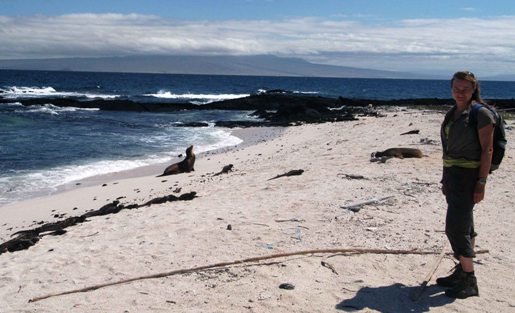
[[185, 166], [400, 153]]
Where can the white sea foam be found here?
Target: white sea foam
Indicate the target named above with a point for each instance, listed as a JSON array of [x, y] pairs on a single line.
[[28, 184], [97, 96], [225, 140], [52, 109], [264, 91], [306, 92], [12, 104], [202, 98], [14, 92]]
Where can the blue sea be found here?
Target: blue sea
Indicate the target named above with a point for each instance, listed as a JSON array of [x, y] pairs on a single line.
[[43, 147]]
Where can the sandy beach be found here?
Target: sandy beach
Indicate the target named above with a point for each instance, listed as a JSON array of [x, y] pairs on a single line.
[[245, 214]]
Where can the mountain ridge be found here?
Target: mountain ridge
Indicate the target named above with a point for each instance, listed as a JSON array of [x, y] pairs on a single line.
[[256, 65]]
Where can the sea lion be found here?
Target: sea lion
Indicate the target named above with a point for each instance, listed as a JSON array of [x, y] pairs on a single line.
[[185, 166], [400, 153]]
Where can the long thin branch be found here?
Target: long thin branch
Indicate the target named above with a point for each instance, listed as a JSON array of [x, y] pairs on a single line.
[[415, 296], [248, 260], [355, 207]]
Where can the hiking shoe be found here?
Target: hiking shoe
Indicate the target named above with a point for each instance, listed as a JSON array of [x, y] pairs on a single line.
[[451, 280], [467, 287]]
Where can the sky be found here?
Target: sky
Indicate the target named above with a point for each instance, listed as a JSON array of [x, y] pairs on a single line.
[[427, 37]]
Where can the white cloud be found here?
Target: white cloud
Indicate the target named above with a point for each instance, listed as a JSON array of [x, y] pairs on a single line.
[[405, 45]]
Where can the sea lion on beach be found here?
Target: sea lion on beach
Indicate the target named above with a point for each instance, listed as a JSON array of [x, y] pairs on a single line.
[[400, 153], [185, 166]]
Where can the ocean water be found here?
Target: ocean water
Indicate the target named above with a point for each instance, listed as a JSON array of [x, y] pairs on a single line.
[[43, 147]]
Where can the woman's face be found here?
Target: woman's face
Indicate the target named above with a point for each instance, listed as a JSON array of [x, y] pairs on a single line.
[[462, 91]]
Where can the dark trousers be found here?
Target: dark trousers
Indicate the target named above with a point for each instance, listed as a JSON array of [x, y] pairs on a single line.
[[459, 184]]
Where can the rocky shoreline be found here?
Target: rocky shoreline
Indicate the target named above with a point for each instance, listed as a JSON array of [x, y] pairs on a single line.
[[277, 108]]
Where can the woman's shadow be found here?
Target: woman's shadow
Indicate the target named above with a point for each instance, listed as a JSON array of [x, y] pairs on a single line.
[[396, 298]]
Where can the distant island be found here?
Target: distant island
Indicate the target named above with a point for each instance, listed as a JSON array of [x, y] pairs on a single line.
[[257, 65]]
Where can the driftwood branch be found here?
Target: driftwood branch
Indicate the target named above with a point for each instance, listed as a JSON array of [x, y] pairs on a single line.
[[352, 176], [357, 206], [291, 220], [243, 261], [415, 296]]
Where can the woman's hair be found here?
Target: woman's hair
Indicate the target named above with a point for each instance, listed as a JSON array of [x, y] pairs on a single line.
[[468, 76]]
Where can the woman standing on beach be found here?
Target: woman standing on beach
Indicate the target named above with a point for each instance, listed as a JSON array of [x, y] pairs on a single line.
[[467, 156]]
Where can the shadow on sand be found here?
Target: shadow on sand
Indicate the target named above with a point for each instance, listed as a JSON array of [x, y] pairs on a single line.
[[395, 299]]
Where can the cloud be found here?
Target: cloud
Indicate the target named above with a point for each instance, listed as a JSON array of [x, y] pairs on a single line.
[[402, 45]]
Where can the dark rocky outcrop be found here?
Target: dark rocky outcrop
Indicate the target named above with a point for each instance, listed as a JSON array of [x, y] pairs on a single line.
[[262, 101], [26, 238], [274, 108], [192, 124]]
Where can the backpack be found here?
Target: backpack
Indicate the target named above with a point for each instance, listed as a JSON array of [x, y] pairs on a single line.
[[499, 143]]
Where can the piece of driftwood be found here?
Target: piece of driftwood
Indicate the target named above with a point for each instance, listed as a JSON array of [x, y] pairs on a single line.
[[352, 176], [411, 132], [357, 206], [417, 293], [243, 261], [290, 173], [291, 220]]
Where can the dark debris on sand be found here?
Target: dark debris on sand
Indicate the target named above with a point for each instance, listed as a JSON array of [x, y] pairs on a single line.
[[27, 238]]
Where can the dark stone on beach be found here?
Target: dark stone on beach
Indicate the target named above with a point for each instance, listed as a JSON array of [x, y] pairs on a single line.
[[188, 196], [411, 132], [229, 227], [160, 200], [21, 243], [286, 286], [110, 208]]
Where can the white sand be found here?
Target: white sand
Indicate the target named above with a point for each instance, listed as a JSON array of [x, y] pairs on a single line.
[[186, 234]]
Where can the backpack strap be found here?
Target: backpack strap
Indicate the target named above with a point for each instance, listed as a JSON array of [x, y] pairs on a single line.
[[474, 109]]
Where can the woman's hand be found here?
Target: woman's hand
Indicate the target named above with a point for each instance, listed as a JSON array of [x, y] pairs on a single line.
[[479, 192]]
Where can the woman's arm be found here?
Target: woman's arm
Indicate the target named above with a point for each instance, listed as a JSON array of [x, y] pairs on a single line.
[[486, 139]]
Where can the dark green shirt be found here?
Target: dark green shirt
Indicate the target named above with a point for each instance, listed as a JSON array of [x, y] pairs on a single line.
[[461, 146]]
